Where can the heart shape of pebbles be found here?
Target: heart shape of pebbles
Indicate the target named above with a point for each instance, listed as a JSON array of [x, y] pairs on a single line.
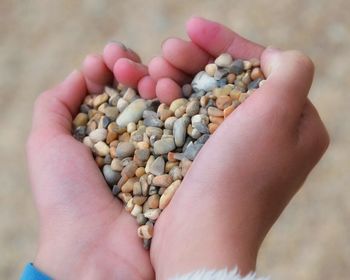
[[144, 148]]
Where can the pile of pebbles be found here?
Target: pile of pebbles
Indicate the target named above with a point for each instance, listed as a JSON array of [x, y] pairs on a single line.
[[145, 148]]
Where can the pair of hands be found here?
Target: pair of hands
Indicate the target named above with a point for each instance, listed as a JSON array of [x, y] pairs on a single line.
[[236, 188]]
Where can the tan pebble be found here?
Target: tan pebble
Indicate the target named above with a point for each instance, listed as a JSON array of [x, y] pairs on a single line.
[[169, 122], [102, 107], [111, 136], [212, 127], [137, 189], [131, 127], [129, 170], [129, 185], [139, 200], [216, 120], [125, 137], [136, 210], [114, 143], [162, 180], [164, 114], [121, 182], [100, 161], [153, 201], [213, 111], [88, 142], [223, 101], [91, 125], [175, 173], [246, 78], [179, 112], [111, 112], [169, 165], [145, 231], [140, 171], [228, 110], [211, 69], [149, 163], [192, 108], [255, 62], [89, 100], [256, 74], [243, 97], [231, 78], [235, 94], [122, 104], [177, 103], [129, 206], [116, 164], [150, 178], [247, 64], [142, 145], [204, 101], [101, 149], [125, 197], [161, 191], [99, 99], [129, 94], [168, 194], [80, 120], [152, 214], [185, 166], [224, 91], [113, 152]]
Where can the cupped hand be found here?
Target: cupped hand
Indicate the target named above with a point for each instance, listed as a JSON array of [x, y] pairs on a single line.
[[251, 166], [84, 231]]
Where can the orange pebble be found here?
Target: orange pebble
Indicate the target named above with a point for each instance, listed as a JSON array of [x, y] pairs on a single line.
[[216, 120], [212, 127]]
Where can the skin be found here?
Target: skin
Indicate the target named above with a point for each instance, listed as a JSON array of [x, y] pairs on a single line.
[[243, 178]]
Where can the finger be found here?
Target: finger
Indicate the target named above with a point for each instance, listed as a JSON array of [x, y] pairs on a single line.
[[186, 56], [54, 109], [147, 87], [167, 90], [114, 51], [289, 78], [129, 72], [96, 73], [216, 39], [161, 68]]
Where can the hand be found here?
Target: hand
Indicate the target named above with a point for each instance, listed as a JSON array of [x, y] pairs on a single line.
[[252, 165], [84, 231]]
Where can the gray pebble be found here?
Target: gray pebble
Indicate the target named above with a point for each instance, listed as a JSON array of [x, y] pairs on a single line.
[[80, 133], [203, 139], [169, 122], [164, 145], [125, 149], [237, 67], [116, 190], [151, 121], [142, 154], [157, 166], [254, 84], [186, 90], [141, 219], [111, 176], [179, 131], [149, 114], [202, 81], [192, 150], [132, 113]]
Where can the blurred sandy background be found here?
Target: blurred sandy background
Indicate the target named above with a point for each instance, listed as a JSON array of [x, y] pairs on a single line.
[[42, 41]]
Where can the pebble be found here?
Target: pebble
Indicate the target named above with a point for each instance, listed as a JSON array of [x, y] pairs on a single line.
[[88, 142], [162, 180], [179, 131], [164, 146], [202, 81], [136, 210], [192, 108], [153, 121], [192, 150], [142, 154], [125, 149], [129, 170], [186, 90], [97, 135], [145, 231], [153, 201], [141, 219], [112, 177], [177, 103], [168, 194], [157, 166], [138, 199], [223, 102], [223, 60], [210, 69], [129, 185], [152, 214], [213, 111], [132, 113], [116, 164], [254, 84], [101, 149], [237, 67], [99, 99], [80, 120]]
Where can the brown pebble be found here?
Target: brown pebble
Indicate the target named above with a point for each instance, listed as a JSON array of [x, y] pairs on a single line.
[[231, 78], [223, 101], [100, 161], [139, 200], [256, 74], [162, 180], [153, 201], [129, 185], [129, 170], [168, 194], [216, 120], [140, 171], [215, 112], [145, 231], [212, 127], [228, 110]]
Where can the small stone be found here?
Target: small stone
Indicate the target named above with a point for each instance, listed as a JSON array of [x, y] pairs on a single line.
[[116, 164], [139, 200], [131, 127], [243, 97], [125, 149], [231, 78], [142, 155], [142, 145], [149, 163], [152, 214], [177, 103], [210, 69], [179, 131], [217, 120], [256, 74], [202, 81], [129, 185], [129, 170], [223, 60], [192, 150], [213, 111], [88, 142], [169, 165], [162, 180], [140, 171], [153, 201], [153, 121], [220, 75], [186, 90], [157, 166], [223, 101], [97, 135], [192, 108], [212, 127], [237, 67], [122, 104], [129, 94], [132, 113], [228, 110], [99, 99], [169, 122], [111, 112], [179, 112], [147, 244], [152, 190], [168, 194], [125, 197], [141, 219], [164, 145], [136, 210], [112, 177], [247, 65], [137, 189], [129, 206], [203, 139], [254, 84], [175, 173], [145, 231], [185, 166], [101, 149], [80, 120], [116, 190]]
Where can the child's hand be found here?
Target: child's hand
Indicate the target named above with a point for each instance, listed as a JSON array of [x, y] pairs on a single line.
[[84, 231], [249, 169]]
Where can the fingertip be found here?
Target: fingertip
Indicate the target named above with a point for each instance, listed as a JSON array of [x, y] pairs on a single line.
[[115, 50], [129, 72], [167, 90], [147, 87]]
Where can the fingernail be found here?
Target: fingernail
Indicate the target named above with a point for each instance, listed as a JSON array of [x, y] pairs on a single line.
[[120, 44], [273, 49]]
